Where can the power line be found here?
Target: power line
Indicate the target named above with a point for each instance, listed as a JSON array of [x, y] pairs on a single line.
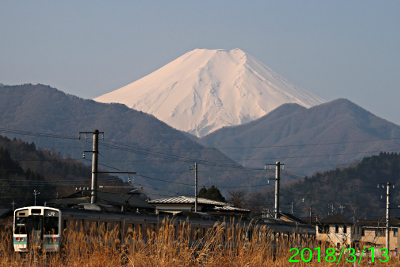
[[153, 152]]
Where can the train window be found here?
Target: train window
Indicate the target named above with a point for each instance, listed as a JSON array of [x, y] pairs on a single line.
[[20, 225], [101, 227], [22, 213], [114, 228], [90, 227], [129, 232], [34, 223], [36, 211], [195, 233], [79, 224], [50, 225], [51, 222], [117, 227]]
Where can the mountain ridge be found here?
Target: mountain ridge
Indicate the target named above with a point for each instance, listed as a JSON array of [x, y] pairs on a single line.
[[134, 141], [338, 131]]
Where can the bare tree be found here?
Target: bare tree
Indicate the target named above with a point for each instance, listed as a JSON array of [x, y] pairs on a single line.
[[237, 198]]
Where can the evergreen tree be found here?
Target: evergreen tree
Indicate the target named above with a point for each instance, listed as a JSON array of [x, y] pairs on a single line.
[[212, 193]]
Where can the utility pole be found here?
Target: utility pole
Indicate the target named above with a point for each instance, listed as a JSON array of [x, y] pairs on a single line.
[[291, 205], [277, 186], [341, 207], [194, 167], [387, 214], [13, 204], [35, 193], [332, 208], [95, 156], [387, 210], [196, 181]]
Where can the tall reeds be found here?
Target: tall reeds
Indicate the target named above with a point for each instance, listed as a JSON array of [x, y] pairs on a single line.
[[169, 244]]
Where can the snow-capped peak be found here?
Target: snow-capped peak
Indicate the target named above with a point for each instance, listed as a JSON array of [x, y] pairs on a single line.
[[204, 90]]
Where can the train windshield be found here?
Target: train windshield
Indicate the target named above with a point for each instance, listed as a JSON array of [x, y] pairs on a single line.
[[25, 223]]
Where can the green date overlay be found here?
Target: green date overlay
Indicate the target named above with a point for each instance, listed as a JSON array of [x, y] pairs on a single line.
[[306, 254]]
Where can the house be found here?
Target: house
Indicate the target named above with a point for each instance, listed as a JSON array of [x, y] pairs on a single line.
[[338, 231], [180, 204], [374, 233]]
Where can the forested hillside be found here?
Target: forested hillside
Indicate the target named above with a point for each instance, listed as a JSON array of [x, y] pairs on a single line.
[[352, 191], [24, 168]]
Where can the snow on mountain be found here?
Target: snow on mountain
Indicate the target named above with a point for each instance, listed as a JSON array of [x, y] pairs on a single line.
[[205, 90]]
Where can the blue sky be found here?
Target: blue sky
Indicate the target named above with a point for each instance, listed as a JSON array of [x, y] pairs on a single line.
[[334, 49]]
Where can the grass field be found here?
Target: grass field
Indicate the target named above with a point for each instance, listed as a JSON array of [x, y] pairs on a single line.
[[171, 246]]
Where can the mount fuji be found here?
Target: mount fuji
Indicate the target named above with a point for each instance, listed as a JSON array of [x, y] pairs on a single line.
[[205, 90]]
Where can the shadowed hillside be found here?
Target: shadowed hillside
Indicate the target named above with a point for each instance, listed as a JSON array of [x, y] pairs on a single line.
[[133, 140]]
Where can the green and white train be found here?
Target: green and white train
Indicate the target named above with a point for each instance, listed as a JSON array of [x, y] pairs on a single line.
[[43, 227]]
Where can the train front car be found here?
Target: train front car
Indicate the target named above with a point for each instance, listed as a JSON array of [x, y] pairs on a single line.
[[37, 227]]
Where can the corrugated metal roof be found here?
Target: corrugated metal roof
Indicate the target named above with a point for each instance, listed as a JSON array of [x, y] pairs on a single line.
[[109, 198], [188, 200], [230, 208], [123, 199], [292, 217]]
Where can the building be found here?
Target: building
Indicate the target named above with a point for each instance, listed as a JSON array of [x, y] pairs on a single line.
[[374, 234], [338, 231], [108, 201], [180, 204]]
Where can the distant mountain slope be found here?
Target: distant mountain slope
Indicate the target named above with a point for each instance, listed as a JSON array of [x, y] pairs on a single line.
[[308, 140], [134, 141], [204, 90]]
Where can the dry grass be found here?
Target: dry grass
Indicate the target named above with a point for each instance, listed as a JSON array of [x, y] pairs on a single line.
[[170, 246]]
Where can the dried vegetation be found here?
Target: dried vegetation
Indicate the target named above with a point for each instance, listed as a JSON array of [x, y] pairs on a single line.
[[171, 246]]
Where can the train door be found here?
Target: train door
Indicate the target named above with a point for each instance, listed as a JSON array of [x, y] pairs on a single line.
[[34, 230]]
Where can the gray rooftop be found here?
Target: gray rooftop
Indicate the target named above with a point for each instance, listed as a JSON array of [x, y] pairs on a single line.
[[188, 200], [105, 198]]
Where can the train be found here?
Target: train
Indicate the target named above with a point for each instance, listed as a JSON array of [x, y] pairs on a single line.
[[44, 227]]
